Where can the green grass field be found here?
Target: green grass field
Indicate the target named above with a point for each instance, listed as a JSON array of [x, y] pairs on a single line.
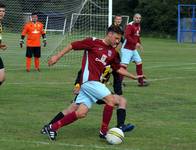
[[164, 113]]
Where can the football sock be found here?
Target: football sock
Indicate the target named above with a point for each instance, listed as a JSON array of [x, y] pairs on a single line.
[[67, 119], [59, 116], [139, 72], [36, 62], [121, 115], [28, 63], [107, 115], [1, 82]]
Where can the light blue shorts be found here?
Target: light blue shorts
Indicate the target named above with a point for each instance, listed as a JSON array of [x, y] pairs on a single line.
[[90, 92], [128, 56]]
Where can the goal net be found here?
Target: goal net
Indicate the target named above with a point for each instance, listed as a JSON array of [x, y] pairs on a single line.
[[64, 22], [90, 21], [186, 22]]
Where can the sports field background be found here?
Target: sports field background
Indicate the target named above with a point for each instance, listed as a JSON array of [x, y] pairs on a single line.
[[164, 112]]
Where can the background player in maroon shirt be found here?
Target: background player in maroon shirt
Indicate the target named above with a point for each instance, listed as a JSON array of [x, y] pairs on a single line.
[[100, 53], [130, 46]]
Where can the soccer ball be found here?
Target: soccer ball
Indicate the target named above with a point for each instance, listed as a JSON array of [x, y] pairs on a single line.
[[115, 136]]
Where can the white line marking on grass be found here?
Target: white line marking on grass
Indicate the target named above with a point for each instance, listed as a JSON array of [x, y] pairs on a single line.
[[69, 65], [67, 144], [65, 82], [170, 65], [39, 83], [22, 67]]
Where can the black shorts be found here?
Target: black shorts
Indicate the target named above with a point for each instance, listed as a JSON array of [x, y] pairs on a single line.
[[117, 83], [1, 64], [33, 51]]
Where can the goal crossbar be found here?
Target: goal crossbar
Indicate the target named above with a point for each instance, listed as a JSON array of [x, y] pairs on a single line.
[[95, 15]]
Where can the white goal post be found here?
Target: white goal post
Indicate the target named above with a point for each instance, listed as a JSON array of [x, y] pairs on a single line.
[[61, 28]]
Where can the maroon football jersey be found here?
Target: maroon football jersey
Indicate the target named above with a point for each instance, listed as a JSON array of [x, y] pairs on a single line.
[[96, 56], [132, 35]]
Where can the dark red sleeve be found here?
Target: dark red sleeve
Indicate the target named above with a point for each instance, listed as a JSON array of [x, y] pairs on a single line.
[[116, 62], [129, 35], [85, 44]]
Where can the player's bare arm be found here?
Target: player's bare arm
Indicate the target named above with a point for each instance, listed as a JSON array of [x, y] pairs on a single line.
[[56, 57], [139, 47], [124, 72]]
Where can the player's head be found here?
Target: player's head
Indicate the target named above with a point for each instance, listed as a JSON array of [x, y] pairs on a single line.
[[137, 18], [2, 10], [117, 20], [34, 16], [114, 35]]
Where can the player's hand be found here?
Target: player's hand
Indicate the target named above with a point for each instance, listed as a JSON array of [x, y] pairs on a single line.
[[3, 46], [44, 42], [53, 60], [21, 43], [141, 76], [139, 47]]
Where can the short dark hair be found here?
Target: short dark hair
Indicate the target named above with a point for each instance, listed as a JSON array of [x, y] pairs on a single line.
[[115, 29], [117, 15], [2, 5]]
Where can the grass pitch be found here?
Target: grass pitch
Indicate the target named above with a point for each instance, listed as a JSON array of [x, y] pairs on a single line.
[[163, 113]]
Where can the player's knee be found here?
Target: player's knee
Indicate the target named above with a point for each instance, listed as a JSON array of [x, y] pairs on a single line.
[[81, 114], [111, 100], [122, 102]]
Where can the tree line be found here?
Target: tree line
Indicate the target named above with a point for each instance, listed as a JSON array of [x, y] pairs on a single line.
[[159, 17]]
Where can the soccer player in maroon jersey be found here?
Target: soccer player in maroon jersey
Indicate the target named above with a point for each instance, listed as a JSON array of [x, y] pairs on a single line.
[[130, 46], [98, 53], [117, 87]]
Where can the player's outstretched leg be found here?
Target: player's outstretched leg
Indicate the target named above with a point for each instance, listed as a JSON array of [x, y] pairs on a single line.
[[60, 115], [56, 118]]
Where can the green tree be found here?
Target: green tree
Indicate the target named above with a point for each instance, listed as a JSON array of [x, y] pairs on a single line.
[[158, 16]]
